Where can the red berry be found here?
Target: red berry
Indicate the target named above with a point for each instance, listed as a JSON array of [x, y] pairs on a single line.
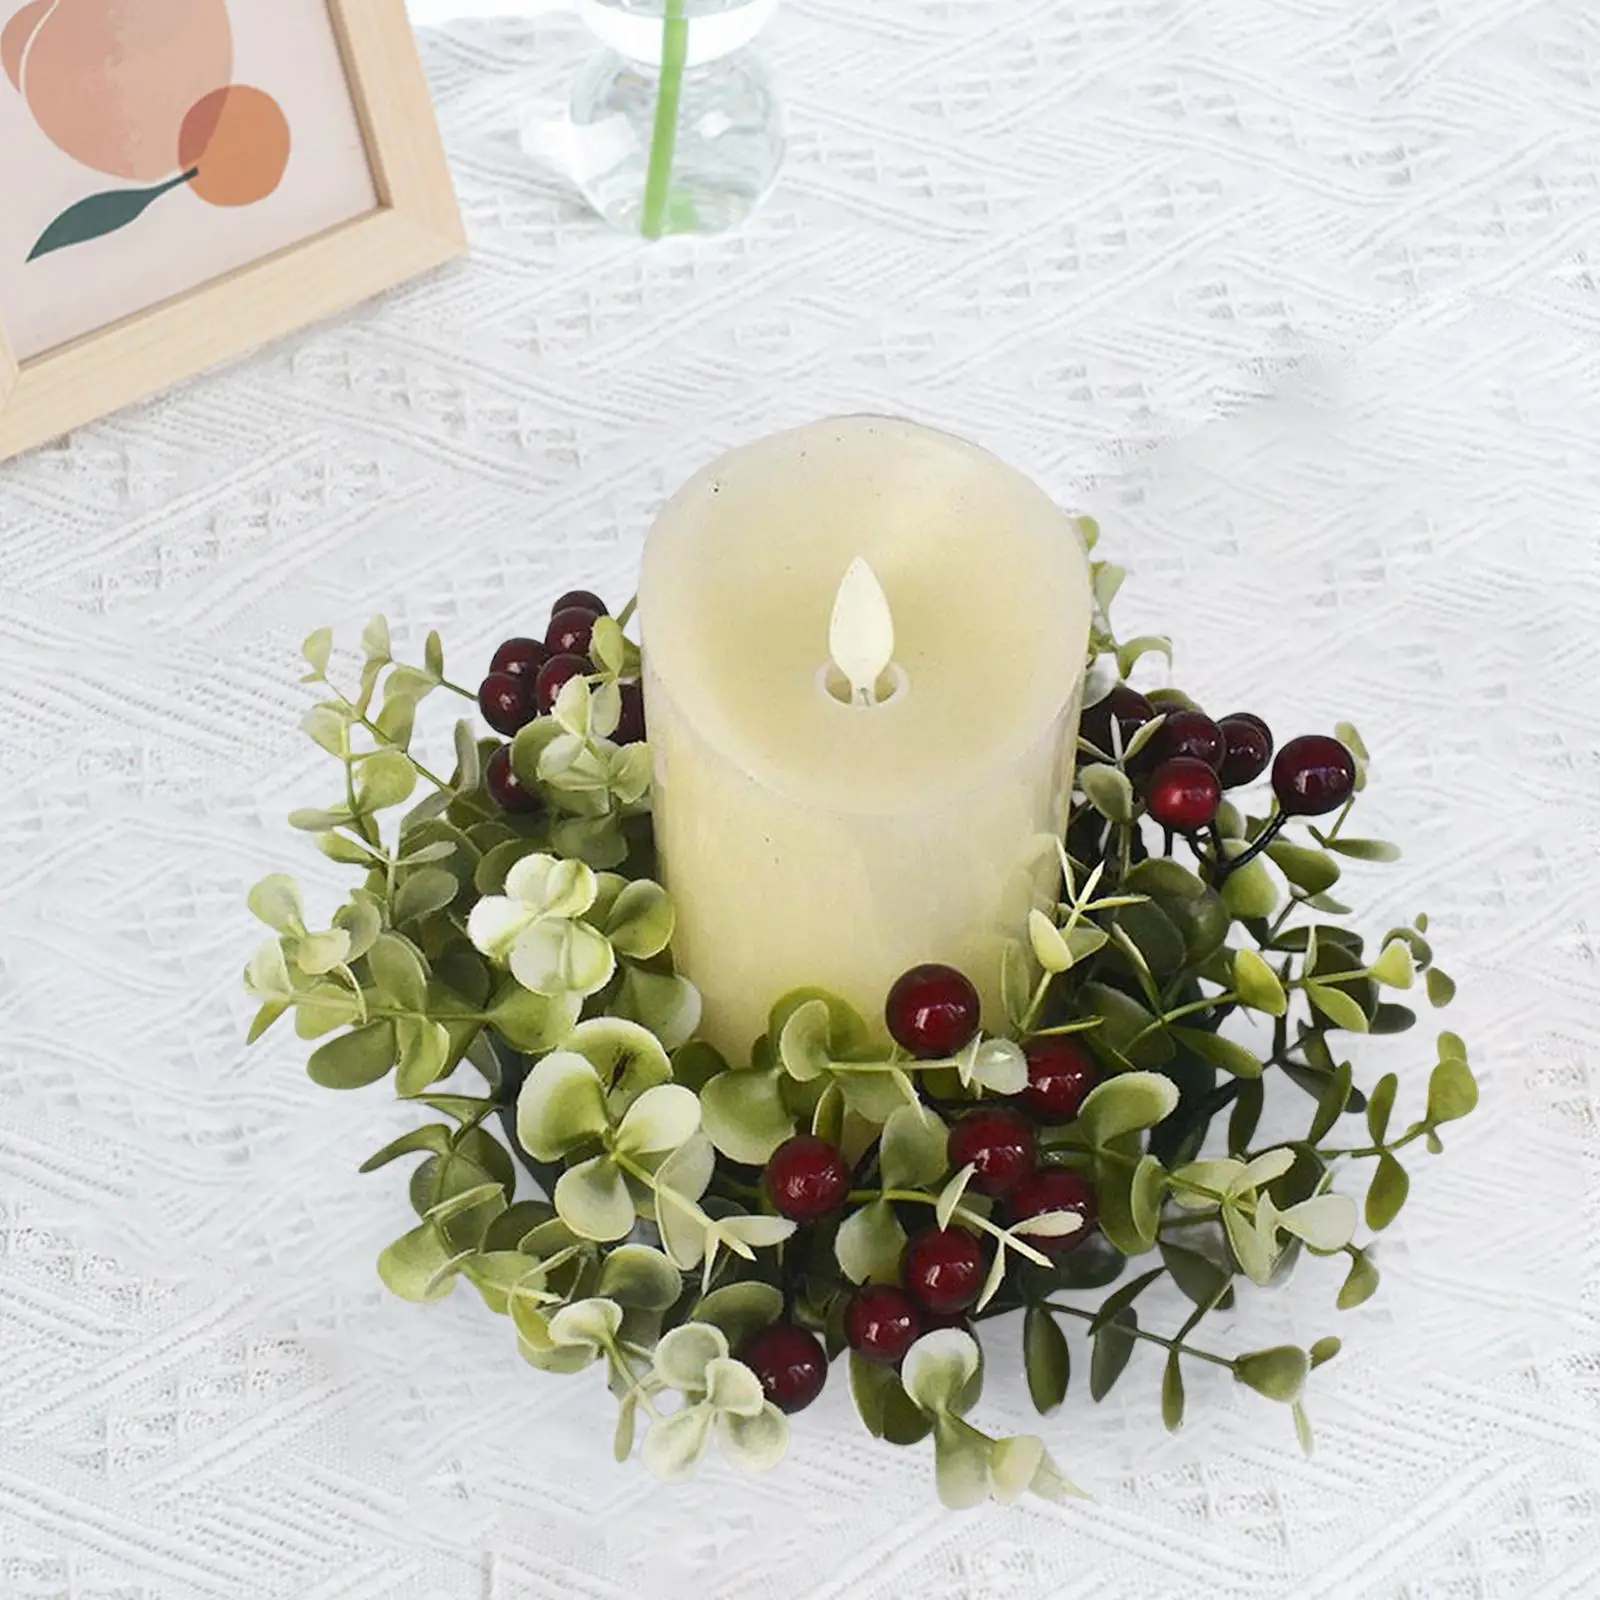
[[791, 1364], [555, 675], [1313, 775], [944, 1269], [933, 1011], [505, 703], [580, 597], [999, 1143], [1055, 1189], [882, 1323], [571, 630], [1131, 711], [807, 1178], [503, 785], [631, 729], [1193, 734], [1060, 1075], [1249, 742], [1183, 794], [522, 658]]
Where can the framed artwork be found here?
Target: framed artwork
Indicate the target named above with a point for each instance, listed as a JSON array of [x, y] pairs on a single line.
[[184, 180]]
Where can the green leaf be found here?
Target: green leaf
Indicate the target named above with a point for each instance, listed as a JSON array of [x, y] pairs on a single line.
[[1360, 1283], [1112, 1347], [346, 851], [1050, 949], [1246, 1118], [1172, 1394], [740, 1309], [424, 1055], [398, 972], [1220, 1051], [803, 1042], [1156, 937], [355, 1059], [413, 1267], [1302, 1427], [276, 902], [434, 1137], [1047, 1360], [1380, 1104], [385, 778], [1314, 871], [1258, 984], [643, 1279], [1108, 791], [1441, 987], [1249, 892], [1128, 1103], [532, 1022], [1395, 967], [1365, 849], [912, 1148], [1199, 1277], [641, 921], [745, 1115], [326, 727], [1129, 654], [1278, 1373], [1324, 1350], [317, 649], [886, 1409], [425, 891], [98, 215], [1452, 1091], [1115, 1304], [1338, 1007], [1390, 1186], [870, 1243], [1123, 1020], [1332, 1104]]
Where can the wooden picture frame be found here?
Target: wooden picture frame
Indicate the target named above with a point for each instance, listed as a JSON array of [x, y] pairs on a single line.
[[416, 226]]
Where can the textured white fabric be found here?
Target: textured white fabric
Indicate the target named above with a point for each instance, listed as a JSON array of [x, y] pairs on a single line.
[[1300, 297]]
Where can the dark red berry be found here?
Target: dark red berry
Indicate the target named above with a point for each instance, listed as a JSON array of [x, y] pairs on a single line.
[[631, 729], [505, 702], [1183, 794], [1193, 734], [1313, 775], [999, 1143], [791, 1364], [944, 1269], [1060, 1075], [1131, 711], [571, 630], [1055, 1189], [933, 1011], [580, 597], [504, 788], [522, 658], [555, 675], [882, 1323], [807, 1178], [1249, 742]]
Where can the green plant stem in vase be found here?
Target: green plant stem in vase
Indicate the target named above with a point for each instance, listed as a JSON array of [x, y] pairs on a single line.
[[664, 143]]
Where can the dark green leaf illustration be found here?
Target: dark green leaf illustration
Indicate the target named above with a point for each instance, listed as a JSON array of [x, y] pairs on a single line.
[[101, 214]]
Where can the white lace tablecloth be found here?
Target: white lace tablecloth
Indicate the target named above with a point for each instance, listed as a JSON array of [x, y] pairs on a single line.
[[1300, 298]]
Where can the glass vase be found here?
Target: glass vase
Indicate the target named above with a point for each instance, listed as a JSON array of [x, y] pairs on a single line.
[[676, 128]]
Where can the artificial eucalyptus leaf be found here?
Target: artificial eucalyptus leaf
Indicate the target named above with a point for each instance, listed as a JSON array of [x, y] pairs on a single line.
[[1387, 1194], [912, 1149], [1366, 849], [1047, 1360], [1245, 1118], [1380, 1105], [532, 1022], [1278, 1373], [1395, 968], [355, 1059], [1108, 791], [870, 1243], [1452, 1091], [1123, 1021], [740, 1309], [398, 972], [1128, 1103], [745, 1115], [1313, 871], [424, 891], [1258, 985], [1113, 1345], [413, 1267], [1198, 1276], [1249, 892], [1220, 1051], [1441, 987], [1115, 1304], [1324, 1350], [435, 1137], [1156, 937], [1361, 1282], [1338, 1007], [1335, 1098], [383, 779], [1172, 1398]]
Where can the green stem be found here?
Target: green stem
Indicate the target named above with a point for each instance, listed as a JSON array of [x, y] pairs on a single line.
[[1368, 1152], [1144, 1333], [455, 688], [664, 141]]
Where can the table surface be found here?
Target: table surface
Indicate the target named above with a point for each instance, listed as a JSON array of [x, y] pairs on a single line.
[[1300, 298]]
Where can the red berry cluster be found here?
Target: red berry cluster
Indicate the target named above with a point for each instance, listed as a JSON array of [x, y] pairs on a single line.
[[526, 675], [1185, 768], [933, 1011]]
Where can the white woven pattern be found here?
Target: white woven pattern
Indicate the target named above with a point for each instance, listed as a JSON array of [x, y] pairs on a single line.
[[1302, 298]]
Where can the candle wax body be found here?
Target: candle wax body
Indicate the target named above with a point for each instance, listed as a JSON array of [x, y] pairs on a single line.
[[807, 842]]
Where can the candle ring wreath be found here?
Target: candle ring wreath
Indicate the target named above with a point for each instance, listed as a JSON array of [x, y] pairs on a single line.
[[712, 1233]]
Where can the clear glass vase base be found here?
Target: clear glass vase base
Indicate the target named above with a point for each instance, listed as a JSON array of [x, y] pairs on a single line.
[[728, 153]]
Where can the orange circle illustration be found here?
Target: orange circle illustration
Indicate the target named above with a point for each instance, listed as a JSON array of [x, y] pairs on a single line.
[[237, 141]]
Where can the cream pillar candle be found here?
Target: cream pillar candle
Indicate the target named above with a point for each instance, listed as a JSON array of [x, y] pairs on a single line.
[[808, 838]]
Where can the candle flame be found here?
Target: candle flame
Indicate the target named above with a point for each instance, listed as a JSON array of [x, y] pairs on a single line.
[[861, 635]]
